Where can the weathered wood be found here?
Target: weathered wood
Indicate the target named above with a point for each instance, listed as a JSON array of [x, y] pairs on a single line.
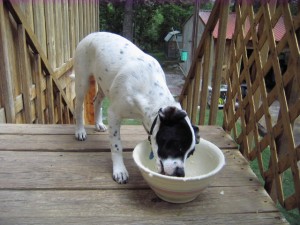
[[68, 170], [195, 98], [266, 61], [41, 182], [44, 30], [139, 205], [37, 75], [219, 58], [245, 218], [7, 97], [25, 76], [37, 137]]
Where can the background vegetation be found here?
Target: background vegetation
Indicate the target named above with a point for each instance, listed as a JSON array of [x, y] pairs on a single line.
[[151, 20]]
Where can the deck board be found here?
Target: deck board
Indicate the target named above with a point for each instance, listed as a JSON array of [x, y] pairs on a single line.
[[47, 177], [92, 170]]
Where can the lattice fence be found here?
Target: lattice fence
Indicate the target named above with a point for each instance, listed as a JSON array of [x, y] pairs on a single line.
[[269, 66]]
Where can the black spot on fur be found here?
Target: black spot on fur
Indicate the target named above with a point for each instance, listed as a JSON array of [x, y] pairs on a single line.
[[121, 52], [140, 59]]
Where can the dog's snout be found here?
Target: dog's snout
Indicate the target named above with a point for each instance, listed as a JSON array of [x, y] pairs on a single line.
[[179, 172]]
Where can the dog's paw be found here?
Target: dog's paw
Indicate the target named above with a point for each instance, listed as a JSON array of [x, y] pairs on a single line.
[[100, 127], [80, 135], [121, 177]]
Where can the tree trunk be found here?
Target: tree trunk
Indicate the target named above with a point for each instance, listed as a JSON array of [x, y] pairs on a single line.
[[127, 22]]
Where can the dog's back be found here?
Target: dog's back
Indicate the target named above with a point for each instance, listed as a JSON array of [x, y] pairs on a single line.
[[120, 68]]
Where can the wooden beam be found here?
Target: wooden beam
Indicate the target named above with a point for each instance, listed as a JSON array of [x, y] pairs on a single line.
[[5, 70], [37, 74], [219, 58], [24, 72]]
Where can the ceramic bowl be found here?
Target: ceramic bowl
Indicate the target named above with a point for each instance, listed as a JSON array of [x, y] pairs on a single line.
[[200, 169]]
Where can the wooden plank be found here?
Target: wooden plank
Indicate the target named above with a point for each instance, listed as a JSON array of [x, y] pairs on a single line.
[[58, 35], [140, 205], [64, 187], [66, 38], [5, 69], [243, 218], [57, 129], [196, 93], [205, 79], [59, 106], [19, 104], [37, 75], [23, 68], [72, 40], [219, 58], [50, 33], [39, 24], [93, 170], [63, 142], [2, 116], [76, 21], [129, 135]]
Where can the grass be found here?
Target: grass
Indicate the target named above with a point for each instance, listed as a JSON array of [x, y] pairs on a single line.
[[292, 216]]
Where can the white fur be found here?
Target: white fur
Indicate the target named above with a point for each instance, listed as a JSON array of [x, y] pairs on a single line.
[[133, 81]]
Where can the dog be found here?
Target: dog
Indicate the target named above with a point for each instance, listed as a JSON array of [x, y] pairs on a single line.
[[135, 85]]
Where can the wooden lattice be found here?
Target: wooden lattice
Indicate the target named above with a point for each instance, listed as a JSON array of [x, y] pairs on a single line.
[[263, 123], [37, 42]]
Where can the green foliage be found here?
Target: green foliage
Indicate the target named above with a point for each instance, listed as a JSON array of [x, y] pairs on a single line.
[[111, 17], [152, 21]]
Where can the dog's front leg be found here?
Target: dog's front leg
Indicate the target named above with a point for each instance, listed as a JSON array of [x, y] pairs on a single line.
[[120, 174]]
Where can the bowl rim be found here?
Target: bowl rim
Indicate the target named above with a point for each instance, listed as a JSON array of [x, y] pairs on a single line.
[[193, 178]]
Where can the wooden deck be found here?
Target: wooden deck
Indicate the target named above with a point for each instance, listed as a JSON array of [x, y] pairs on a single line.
[[47, 177]]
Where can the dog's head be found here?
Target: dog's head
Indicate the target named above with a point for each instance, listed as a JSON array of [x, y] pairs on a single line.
[[173, 141]]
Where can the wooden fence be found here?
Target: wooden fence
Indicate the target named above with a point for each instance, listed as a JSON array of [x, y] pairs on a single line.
[[37, 42], [263, 135]]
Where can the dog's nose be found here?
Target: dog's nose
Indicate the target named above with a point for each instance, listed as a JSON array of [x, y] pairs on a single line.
[[179, 172]]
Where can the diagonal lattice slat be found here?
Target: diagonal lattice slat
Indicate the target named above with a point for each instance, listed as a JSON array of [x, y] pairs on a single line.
[[263, 134]]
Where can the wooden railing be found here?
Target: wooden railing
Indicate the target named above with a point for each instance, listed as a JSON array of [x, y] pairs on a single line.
[[37, 41], [263, 118]]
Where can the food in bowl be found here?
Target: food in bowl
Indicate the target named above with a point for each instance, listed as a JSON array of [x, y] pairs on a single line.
[[200, 168]]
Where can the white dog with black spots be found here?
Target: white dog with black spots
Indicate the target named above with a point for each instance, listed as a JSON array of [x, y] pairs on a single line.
[[135, 85]]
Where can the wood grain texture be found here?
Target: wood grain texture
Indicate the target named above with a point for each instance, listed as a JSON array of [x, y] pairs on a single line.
[[47, 177]]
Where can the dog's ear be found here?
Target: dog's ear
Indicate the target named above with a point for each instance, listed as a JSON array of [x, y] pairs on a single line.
[[171, 113], [197, 134]]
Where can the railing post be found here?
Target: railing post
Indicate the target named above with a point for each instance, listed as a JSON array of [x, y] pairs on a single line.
[[5, 70], [219, 58]]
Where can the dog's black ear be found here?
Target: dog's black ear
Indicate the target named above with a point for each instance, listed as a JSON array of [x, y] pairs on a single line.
[[171, 113], [197, 134]]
